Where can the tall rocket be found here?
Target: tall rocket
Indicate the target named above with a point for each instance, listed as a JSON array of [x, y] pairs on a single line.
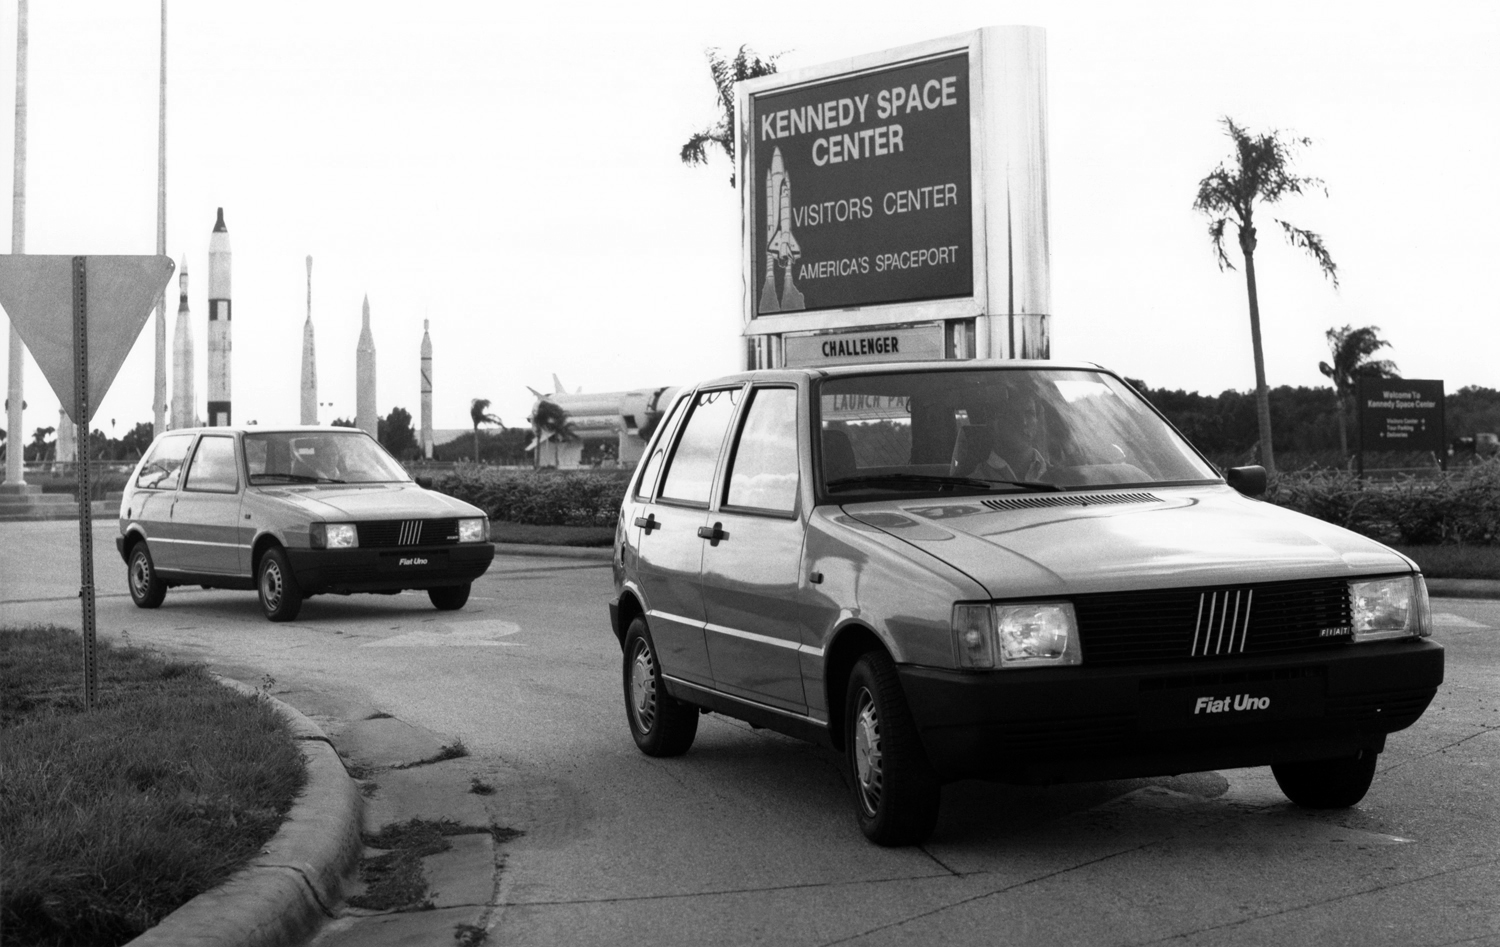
[[184, 397], [219, 259], [309, 360], [364, 378], [426, 433]]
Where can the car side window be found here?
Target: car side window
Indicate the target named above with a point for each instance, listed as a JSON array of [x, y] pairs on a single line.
[[690, 473], [647, 481], [763, 472], [213, 469], [163, 466]]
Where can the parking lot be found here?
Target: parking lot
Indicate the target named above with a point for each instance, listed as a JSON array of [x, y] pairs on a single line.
[[749, 837]]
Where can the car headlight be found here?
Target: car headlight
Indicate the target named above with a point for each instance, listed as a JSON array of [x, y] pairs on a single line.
[[1035, 634], [1390, 608], [475, 530], [334, 536]]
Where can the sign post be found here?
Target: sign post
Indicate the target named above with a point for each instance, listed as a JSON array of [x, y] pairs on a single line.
[[1401, 414], [59, 305]]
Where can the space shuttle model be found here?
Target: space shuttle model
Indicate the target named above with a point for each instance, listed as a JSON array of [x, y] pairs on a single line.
[[626, 417], [781, 246]]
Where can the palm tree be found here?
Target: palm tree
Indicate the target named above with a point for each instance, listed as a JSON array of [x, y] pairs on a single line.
[[1351, 349], [1260, 173], [726, 72], [549, 421], [479, 409]]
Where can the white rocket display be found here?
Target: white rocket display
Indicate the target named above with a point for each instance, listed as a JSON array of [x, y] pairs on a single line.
[[184, 397], [309, 360], [219, 259], [364, 378], [426, 432]]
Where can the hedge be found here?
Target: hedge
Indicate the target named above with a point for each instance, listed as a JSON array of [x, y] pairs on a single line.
[[540, 498], [1458, 507]]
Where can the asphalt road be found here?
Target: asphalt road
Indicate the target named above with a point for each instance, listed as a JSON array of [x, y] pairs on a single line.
[[750, 838]]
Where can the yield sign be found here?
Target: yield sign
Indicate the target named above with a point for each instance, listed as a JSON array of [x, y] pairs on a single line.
[[36, 291]]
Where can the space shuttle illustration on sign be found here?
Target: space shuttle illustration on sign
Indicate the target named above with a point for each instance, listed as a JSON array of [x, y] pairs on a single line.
[[781, 246]]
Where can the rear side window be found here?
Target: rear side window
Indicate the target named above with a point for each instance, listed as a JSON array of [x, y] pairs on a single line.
[[763, 474], [213, 468], [163, 466], [690, 475]]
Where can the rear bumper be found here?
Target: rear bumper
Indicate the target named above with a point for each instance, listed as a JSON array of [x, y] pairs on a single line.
[[1063, 724], [385, 570]]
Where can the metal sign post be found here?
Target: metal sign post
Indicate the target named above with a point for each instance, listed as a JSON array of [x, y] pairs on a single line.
[[85, 503]]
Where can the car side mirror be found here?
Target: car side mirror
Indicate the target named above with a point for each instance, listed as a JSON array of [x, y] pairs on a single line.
[[1251, 481], [425, 483]]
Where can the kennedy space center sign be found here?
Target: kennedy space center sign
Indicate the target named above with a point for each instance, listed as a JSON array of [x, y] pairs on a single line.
[[861, 189]]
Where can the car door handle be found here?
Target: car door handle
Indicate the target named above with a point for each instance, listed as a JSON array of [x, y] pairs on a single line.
[[712, 533], [647, 523]]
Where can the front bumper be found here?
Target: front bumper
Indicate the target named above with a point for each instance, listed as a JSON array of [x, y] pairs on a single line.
[[1080, 723], [387, 570]]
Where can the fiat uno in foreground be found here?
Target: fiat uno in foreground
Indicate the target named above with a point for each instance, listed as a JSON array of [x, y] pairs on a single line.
[[1015, 571], [290, 513]]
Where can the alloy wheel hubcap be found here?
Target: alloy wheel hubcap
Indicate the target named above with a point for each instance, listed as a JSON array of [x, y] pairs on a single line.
[[140, 576], [270, 585], [643, 687], [868, 769]]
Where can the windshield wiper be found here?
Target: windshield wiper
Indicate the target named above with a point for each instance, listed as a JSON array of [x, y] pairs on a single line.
[[919, 480]]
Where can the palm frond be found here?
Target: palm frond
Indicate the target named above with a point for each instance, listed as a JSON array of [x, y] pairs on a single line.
[[1313, 244]]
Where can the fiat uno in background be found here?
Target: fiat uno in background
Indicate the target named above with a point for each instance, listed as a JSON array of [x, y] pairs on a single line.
[[1016, 571], [292, 513]]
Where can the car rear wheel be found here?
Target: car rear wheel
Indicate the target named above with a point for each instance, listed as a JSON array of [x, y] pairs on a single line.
[[1327, 784], [146, 587], [896, 792], [280, 596], [660, 724], [450, 597]]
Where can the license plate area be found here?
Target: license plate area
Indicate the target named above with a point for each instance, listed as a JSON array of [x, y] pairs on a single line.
[[424, 561], [1215, 700]]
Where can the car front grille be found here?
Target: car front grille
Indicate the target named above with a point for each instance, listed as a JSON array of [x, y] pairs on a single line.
[[396, 533], [1196, 624]]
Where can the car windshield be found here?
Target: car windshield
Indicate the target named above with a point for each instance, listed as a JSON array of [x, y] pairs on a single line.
[[330, 456], [1002, 429]]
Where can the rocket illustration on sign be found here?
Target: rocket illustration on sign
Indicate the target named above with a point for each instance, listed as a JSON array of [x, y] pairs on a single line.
[[364, 378], [426, 432], [309, 360], [781, 246], [184, 397], [219, 312]]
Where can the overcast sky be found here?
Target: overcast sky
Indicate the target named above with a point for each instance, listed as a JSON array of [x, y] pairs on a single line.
[[510, 172]]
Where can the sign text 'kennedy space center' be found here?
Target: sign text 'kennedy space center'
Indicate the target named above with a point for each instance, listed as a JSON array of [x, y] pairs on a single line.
[[895, 205]]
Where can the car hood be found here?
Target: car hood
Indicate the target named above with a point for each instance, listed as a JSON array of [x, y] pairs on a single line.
[[384, 501], [1074, 542]]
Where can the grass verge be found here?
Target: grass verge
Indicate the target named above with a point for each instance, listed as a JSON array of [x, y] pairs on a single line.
[[110, 821], [1456, 562]]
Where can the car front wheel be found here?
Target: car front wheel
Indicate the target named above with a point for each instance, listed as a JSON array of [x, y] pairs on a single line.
[[896, 793], [1327, 784], [450, 597], [280, 596], [660, 724], [146, 587]]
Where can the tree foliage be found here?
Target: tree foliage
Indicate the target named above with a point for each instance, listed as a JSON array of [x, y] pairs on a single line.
[[726, 71], [1350, 350], [395, 434]]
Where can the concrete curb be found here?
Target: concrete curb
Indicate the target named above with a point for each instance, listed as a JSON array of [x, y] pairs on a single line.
[[1463, 588], [558, 552], [290, 890]]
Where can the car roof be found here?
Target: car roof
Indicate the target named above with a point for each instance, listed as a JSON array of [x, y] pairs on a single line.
[[266, 429], [943, 365]]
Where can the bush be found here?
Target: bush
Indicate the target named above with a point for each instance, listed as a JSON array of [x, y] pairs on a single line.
[[1460, 507], [541, 497]]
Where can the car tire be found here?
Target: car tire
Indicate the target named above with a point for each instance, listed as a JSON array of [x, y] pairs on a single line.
[[660, 724], [1327, 784], [146, 587], [449, 598], [280, 596], [896, 792]]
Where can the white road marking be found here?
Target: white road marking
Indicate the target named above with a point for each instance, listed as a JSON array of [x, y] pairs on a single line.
[[473, 634], [1451, 620]]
